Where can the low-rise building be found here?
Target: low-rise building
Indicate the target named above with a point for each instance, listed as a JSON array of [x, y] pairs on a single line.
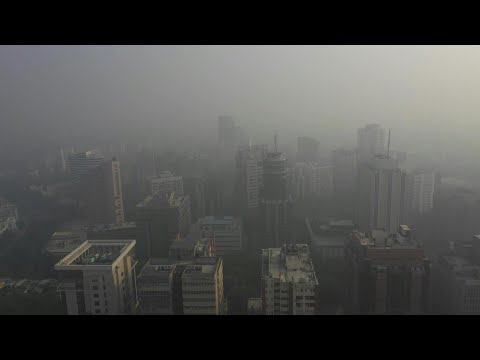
[[327, 236], [126, 230], [227, 232], [98, 278], [62, 243]]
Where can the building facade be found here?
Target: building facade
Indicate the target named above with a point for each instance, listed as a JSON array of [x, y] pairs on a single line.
[[307, 149], [227, 232], [98, 278], [387, 274], [159, 221], [289, 283], [380, 195], [166, 183], [370, 142]]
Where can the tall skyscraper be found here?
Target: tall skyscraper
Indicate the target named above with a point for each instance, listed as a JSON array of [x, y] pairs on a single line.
[[423, 190], [380, 194], [387, 274], [345, 174], [249, 179], [159, 221], [370, 142], [317, 179], [194, 187], [101, 198], [82, 163], [289, 283], [98, 278], [307, 149], [276, 203]]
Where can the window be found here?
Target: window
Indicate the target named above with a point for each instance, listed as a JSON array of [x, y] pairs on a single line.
[[97, 303], [96, 296], [97, 311], [95, 287]]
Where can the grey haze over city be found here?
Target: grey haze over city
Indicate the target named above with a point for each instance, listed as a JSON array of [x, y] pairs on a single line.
[[239, 180], [427, 95]]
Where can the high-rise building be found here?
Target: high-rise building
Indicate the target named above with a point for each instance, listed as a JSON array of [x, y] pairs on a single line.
[[386, 274], [83, 163], [456, 286], [159, 221], [226, 131], [423, 190], [276, 203], [194, 187], [370, 142], [380, 195], [227, 232], [101, 196], [182, 287], [166, 183], [317, 180], [249, 167], [289, 283], [98, 278], [345, 174], [307, 149]]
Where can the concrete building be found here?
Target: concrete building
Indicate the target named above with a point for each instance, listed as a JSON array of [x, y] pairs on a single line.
[[126, 230], [98, 278], [387, 274], [185, 287], [82, 163], [100, 194], [155, 287], [345, 174], [423, 190], [289, 283], [159, 221], [456, 286], [63, 243], [380, 195], [327, 237], [8, 210], [370, 142], [227, 232], [249, 168], [194, 188], [317, 180], [166, 183], [276, 203], [202, 287], [195, 245], [307, 149]]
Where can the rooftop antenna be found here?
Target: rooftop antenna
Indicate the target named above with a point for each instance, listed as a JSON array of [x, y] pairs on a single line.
[[388, 146], [275, 140]]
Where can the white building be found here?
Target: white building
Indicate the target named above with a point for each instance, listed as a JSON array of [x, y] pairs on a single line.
[[370, 142], [423, 190], [289, 283], [98, 278], [316, 179], [380, 195], [250, 175], [165, 184], [227, 232]]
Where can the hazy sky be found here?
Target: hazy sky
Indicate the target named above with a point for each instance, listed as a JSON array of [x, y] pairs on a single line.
[[428, 95]]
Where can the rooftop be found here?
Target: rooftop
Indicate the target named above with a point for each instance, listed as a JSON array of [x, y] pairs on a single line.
[[380, 238], [95, 253], [105, 227], [161, 202], [290, 263]]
